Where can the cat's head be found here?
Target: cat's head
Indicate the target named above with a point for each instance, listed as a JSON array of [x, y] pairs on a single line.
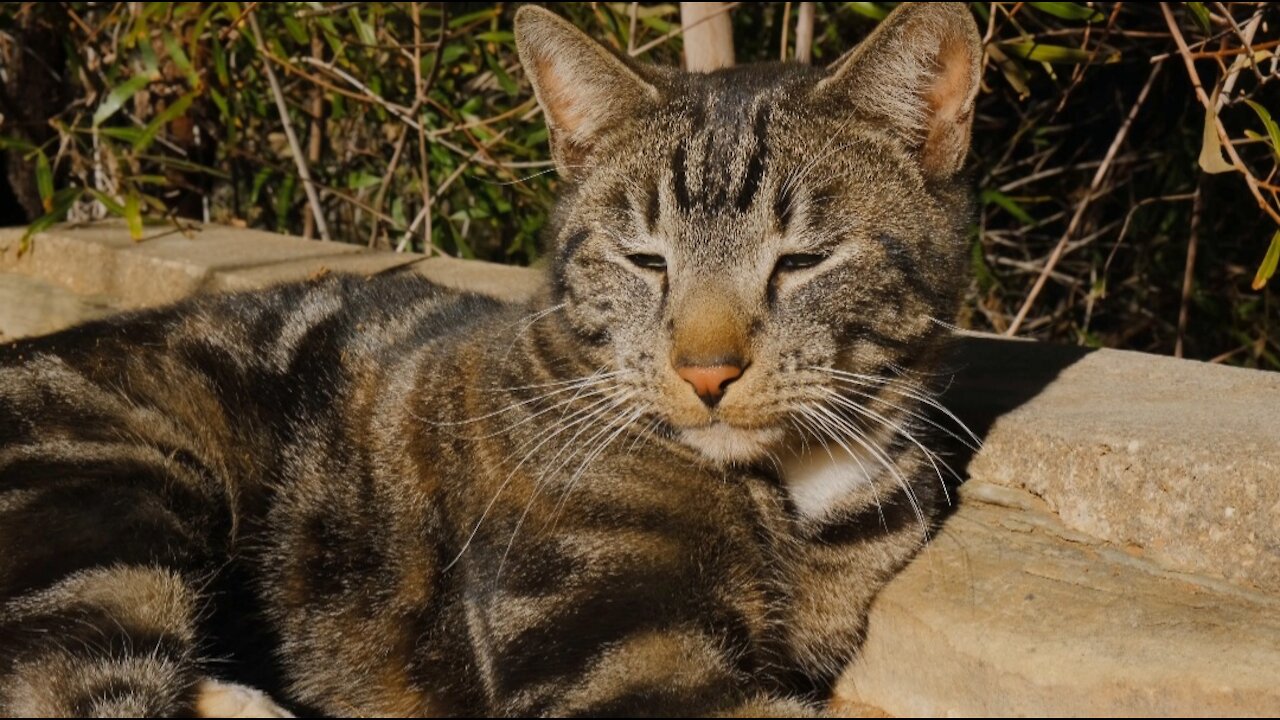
[[731, 242]]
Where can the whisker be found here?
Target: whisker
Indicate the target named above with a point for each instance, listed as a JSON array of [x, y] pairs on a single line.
[[547, 436], [903, 432]]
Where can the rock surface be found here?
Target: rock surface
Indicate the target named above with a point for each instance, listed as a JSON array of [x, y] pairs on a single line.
[[1175, 460], [31, 306], [1008, 612], [1117, 551]]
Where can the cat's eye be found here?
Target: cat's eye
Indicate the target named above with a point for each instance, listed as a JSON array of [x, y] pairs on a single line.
[[798, 261], [647, 261]]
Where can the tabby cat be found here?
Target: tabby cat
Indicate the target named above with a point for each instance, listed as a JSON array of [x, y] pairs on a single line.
[[668, 485]]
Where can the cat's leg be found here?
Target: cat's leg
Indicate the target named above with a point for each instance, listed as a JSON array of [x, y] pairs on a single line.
[[670, 672], [108, 641], [106, 544]]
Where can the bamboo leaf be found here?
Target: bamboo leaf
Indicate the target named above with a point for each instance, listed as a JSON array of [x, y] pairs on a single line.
[[1211, 146], [1273, 131], [44, 180], [133, 214], [175, 110], [1068, 11], [1269, 262], [118, 97], [868, 10], [1038, 52], [1008, 204], [179, 57], [110, 203], [1201, 15], [62, 201]]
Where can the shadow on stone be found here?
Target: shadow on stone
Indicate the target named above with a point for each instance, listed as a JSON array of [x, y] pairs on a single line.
[[992, 377]]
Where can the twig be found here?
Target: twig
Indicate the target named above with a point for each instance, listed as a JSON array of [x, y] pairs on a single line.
[[1209, 107], [674, 32], [786, 29], [631, 29], [303, 171], [1188, 273], [1098, 177], [316, 137], [457, 172]]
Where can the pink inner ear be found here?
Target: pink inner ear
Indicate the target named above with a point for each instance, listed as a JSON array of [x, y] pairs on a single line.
[[949, 111], [562, 106]]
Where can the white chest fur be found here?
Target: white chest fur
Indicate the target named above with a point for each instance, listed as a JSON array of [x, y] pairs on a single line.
[[824, 478]]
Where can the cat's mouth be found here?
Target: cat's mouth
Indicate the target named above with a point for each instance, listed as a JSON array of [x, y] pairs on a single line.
[[725, 443]]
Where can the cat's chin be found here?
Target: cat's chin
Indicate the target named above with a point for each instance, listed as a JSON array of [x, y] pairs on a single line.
[[727, 444]]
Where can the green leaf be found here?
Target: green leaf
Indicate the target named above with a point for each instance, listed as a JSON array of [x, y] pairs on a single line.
[[363, 29], [128, 134], [361, 180], [502, 37], [179, 57], [1273, 131], [1038, 52], [133, 214], [504, 80], [110, 203], [1008, 204], [1201, 15], [175, 110], [13, 143], [118, 97], [1068, 11], [868, 10], [1269, 262], [295, 29], [62, 201], [44, 180]]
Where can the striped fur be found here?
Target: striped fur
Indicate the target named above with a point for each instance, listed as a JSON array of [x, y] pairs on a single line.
[[372, 496]]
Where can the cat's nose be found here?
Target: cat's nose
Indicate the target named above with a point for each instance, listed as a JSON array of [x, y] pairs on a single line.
[[709, 381]]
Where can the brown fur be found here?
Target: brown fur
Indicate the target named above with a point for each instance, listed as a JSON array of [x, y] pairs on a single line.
[[372, 496]]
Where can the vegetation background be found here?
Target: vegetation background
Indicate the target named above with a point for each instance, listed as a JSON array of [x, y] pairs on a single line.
[[1125, 155]]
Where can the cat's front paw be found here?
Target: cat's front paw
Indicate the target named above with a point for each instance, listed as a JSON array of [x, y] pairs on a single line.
[[217, 699]]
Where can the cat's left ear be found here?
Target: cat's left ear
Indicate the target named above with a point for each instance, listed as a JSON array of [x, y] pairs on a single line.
[[918, 74], [581, 85]]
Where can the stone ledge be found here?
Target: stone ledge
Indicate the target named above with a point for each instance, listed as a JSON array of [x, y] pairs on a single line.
[[1010, 613], [1164, 474], [1175, 460], [168, 264]]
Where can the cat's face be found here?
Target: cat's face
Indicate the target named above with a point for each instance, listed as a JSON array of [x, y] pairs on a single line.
[[738, 246]]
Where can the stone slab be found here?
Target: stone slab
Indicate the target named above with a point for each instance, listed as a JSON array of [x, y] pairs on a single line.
[[168, 264], [1008, 612], [1175, 460], [31, 306]]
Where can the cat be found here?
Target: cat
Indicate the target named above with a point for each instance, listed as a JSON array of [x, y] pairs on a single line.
[[670, 484]]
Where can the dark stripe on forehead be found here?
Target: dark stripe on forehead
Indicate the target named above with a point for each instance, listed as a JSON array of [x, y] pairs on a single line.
[[678, 180], [618, 200], [653, 208], [756, 164]]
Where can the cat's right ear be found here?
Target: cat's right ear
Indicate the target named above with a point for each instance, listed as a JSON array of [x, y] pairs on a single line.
[[582, 86]]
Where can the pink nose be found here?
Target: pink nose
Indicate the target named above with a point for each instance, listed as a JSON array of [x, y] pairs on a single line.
[[709, 381]]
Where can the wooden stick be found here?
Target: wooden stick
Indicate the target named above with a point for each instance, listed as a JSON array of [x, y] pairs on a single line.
[[708, 36], [804, 34], [300, 160]]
